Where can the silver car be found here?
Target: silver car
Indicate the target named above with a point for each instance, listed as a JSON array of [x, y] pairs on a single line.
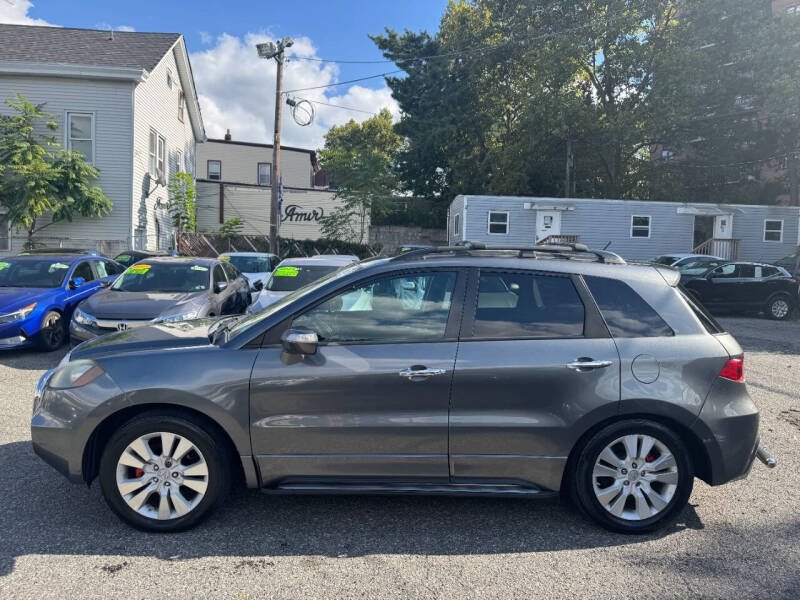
[[521, 372]]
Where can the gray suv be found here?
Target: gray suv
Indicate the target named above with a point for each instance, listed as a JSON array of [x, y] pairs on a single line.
[[515, 372]]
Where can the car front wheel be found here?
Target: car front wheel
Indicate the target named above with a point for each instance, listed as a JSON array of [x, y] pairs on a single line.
[[53, 332], [779, 307], [634, 476], [163, 472]]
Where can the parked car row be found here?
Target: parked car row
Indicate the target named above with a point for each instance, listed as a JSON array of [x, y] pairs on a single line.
[[737, 286], [48, 296]]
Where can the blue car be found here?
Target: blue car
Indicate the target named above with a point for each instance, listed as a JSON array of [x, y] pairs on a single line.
[[38, 294]]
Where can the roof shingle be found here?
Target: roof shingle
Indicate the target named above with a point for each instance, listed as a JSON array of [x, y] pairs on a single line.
[[59, 45]]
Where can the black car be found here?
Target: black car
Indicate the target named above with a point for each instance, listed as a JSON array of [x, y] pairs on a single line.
[[130, 257], [745, 287]]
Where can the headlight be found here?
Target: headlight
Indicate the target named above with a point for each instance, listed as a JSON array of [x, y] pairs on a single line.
[[18, 315], [83, 318], [74, 374], [184, 316]]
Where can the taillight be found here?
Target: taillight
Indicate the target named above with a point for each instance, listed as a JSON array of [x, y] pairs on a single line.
[[733, 370]]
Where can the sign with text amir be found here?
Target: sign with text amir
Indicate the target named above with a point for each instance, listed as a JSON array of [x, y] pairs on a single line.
[[295, 213]]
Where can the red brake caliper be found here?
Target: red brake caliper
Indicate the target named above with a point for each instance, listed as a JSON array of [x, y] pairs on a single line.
[[649, 458], [139, 473]]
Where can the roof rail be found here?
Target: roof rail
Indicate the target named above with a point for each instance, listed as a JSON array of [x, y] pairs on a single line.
[[566, 251]]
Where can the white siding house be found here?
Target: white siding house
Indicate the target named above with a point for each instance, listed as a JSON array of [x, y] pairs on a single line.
[[116, 89]]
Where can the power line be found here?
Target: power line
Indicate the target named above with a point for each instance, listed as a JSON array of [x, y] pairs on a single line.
[[369, 112], [319, 87]]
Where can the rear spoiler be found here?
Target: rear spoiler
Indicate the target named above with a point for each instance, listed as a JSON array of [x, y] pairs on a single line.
[[670, 274]]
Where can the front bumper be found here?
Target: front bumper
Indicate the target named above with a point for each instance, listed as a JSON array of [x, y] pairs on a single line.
[[18, 333], [79, 333]]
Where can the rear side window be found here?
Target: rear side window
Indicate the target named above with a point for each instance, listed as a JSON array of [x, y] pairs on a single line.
[[709, 322], [527, 305], [625, 312]]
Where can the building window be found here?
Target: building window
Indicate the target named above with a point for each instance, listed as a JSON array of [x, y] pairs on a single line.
[[215, 170], [181, 106], [80, 134], [667, 155], [169, 79], [773, 230], [179, 161], [457, 225], [264, 173], [640, 226], [158, 147], [5, 233], [498, 222]]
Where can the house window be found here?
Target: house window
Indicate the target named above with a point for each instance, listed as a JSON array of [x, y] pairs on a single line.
[[179, 161], [215, 170], [667, 155], [5, 233], [640, 226], [80, 134], [181, 106], [773, 230], [457, 225], [264, 173], [169, 79], [157, 150], [498, 222]]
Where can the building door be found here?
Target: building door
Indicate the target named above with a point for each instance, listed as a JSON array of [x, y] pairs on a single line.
[[703, 229], [548, 222], [723, 230]]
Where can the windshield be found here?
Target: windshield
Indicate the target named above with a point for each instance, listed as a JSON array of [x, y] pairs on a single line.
[[33, 273], [663, 260], [250, 264], [163, 277], [255, 318], [699, 266], [288, 278]]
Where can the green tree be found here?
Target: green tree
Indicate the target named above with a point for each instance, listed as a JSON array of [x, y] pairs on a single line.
[[231, 227], [37, 178], [359, 158], [183, 202]]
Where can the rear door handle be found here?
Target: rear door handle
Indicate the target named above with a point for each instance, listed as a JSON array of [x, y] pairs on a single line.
[[413, 373], [588, 364]]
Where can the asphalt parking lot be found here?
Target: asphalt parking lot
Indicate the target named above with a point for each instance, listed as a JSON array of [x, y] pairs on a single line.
[[58, 540]]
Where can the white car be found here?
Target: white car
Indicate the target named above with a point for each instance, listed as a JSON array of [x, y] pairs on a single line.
[[679, 259], [256, 266], [293, 273]]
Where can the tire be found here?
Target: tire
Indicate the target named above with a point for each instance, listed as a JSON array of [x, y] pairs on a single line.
[[52, 332], [185, 506], [644, 503], [779, 307]]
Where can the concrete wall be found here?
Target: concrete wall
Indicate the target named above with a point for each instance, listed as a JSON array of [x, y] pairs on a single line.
[[393, 236], [111, 103]]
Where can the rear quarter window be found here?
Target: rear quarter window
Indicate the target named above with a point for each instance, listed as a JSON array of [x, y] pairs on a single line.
[[625, 312]]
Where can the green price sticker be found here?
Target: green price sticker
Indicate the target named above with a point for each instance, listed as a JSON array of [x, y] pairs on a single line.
[[138, 269], [286, 272], [199, 268], [123, 258], [225, 258], [4, 265]]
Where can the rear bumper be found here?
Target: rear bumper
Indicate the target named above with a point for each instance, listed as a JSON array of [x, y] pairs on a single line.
[[728, 428]]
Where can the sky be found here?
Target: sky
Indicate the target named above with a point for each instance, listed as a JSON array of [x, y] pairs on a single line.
[[235, 87]]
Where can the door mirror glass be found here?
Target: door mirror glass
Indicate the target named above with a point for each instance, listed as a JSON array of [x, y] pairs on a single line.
[[258, 285], [220, 286], [300, 341], [76, 283]]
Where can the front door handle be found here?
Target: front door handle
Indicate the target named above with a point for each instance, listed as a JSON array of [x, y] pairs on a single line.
[[588, 364], [421, 372]]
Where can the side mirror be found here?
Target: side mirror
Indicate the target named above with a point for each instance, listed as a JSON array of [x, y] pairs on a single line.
[[76, 282], [409, 285], [300, 341], [220, 287], [258, 285]]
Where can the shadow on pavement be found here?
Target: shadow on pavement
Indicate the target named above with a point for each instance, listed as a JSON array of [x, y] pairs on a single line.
[[31, 359], [42, 513]]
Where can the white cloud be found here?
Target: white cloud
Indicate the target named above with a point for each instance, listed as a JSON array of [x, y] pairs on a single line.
[[108, 27], [237, 91], [15, 12]]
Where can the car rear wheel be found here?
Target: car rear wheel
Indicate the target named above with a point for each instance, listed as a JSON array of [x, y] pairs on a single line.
[[163, 472], [53, 331], [779, 307], [634, 476]]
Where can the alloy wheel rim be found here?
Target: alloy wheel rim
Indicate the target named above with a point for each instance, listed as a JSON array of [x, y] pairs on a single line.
[[162, 475], [635, 477], [780, 308]]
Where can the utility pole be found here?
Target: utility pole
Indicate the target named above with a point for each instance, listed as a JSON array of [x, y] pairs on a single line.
[[567, 179], [276, 51]]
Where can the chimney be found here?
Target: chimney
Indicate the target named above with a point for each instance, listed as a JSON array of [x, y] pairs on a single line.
[[228, 135]]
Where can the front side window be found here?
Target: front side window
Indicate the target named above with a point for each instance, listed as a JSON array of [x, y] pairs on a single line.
[[215, 170], [230, 271], [80, 134], [83, 270], [773, 231], [626, 313], [498, 222], [640, 226], [527, 305], [264, 173], [725, 272], [404, 308], [219, 275], [157, 148]]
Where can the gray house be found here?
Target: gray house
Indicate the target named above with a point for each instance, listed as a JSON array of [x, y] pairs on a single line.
[[127, 101], [635, 230]]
